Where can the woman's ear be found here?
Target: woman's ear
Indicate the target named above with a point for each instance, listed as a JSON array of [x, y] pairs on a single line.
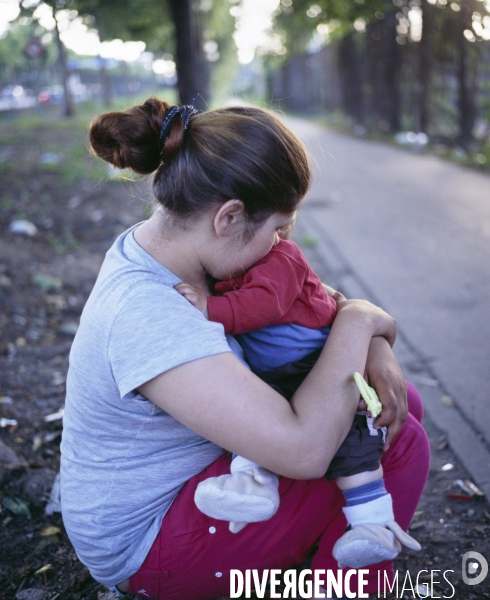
[[230, 218]]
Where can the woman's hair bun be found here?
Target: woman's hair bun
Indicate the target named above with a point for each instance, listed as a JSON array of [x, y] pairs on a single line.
[[130, 138]]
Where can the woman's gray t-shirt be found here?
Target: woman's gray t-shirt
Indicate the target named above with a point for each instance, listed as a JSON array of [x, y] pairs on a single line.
[[124, 459]]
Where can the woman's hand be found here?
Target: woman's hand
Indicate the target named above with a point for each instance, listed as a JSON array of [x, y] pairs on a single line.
[[384, 325], [385, 376]]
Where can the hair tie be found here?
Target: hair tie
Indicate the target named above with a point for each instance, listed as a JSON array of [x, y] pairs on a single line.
[[185, 112]]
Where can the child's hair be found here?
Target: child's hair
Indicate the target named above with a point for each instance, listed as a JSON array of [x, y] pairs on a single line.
[[239, 152]]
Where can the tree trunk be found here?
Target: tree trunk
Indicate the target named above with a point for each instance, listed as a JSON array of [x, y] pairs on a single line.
[[351, 77], [392, 67], [425, 65], [466, 83], [69, 110], [192, 68]]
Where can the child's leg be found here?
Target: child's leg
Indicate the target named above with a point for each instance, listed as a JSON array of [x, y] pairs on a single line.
[[355, 481], [373, 534], [405, 467]]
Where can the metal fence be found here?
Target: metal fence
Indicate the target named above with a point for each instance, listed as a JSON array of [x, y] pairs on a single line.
[[389, 84]]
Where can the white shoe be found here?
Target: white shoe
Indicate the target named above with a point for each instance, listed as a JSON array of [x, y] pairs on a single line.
[[245, 496], [368, 544]]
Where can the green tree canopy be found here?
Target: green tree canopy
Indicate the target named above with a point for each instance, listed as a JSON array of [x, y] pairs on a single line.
[[203, 27], [296, 21]]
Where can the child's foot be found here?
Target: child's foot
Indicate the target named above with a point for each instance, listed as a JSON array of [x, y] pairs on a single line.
[[368, 544], [242, 497]]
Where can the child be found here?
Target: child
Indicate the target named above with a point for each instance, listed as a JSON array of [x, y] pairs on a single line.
[[281, 314]]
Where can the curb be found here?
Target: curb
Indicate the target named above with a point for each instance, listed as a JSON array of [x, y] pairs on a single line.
[[467, 443]]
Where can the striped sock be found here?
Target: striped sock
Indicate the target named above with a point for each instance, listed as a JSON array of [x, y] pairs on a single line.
[[365, 493]]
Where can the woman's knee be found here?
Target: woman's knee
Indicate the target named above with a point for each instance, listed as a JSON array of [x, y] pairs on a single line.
[[415, 406], [410, 449], [409, 452]]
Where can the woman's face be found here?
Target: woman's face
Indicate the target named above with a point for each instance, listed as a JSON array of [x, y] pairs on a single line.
[[240, 255]]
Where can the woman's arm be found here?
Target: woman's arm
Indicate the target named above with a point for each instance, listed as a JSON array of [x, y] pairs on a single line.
[[385, 375], [224, 402]]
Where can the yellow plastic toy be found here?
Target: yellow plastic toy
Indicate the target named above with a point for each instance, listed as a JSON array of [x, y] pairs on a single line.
[[368, 394]]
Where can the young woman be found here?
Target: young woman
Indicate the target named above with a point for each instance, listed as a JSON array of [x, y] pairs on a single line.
[[156, 393]]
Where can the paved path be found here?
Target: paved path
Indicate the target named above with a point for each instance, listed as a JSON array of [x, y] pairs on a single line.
[[412, 232]]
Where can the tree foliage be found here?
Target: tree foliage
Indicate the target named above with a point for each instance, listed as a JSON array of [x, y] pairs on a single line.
[[373, 70], [154, 22], [297, 21], [129, 20], [219, 28]]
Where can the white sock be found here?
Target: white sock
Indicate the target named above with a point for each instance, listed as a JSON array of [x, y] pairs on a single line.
[[376, 512]]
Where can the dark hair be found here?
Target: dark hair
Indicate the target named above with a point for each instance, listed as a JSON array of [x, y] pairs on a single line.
[[237, 152]]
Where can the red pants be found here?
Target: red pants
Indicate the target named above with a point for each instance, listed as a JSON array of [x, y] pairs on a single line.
[[192, 555]]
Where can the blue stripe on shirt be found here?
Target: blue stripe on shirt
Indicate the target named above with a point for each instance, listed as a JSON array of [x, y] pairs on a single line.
[[277, 345]]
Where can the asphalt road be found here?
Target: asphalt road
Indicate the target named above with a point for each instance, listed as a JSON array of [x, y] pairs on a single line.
[[413, 232]]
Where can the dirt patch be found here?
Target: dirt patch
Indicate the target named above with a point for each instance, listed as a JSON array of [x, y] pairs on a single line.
[[47, 178], [45, 280]]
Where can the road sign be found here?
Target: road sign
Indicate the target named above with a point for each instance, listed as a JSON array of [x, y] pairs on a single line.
[[34, 49]]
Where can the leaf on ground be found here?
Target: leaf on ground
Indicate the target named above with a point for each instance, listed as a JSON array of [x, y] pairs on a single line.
[[447, 400], [56, 301], [37, 442], [43, 569], [107, 596], [47, 283], [55, 416], [17, 506], [50, 530]]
